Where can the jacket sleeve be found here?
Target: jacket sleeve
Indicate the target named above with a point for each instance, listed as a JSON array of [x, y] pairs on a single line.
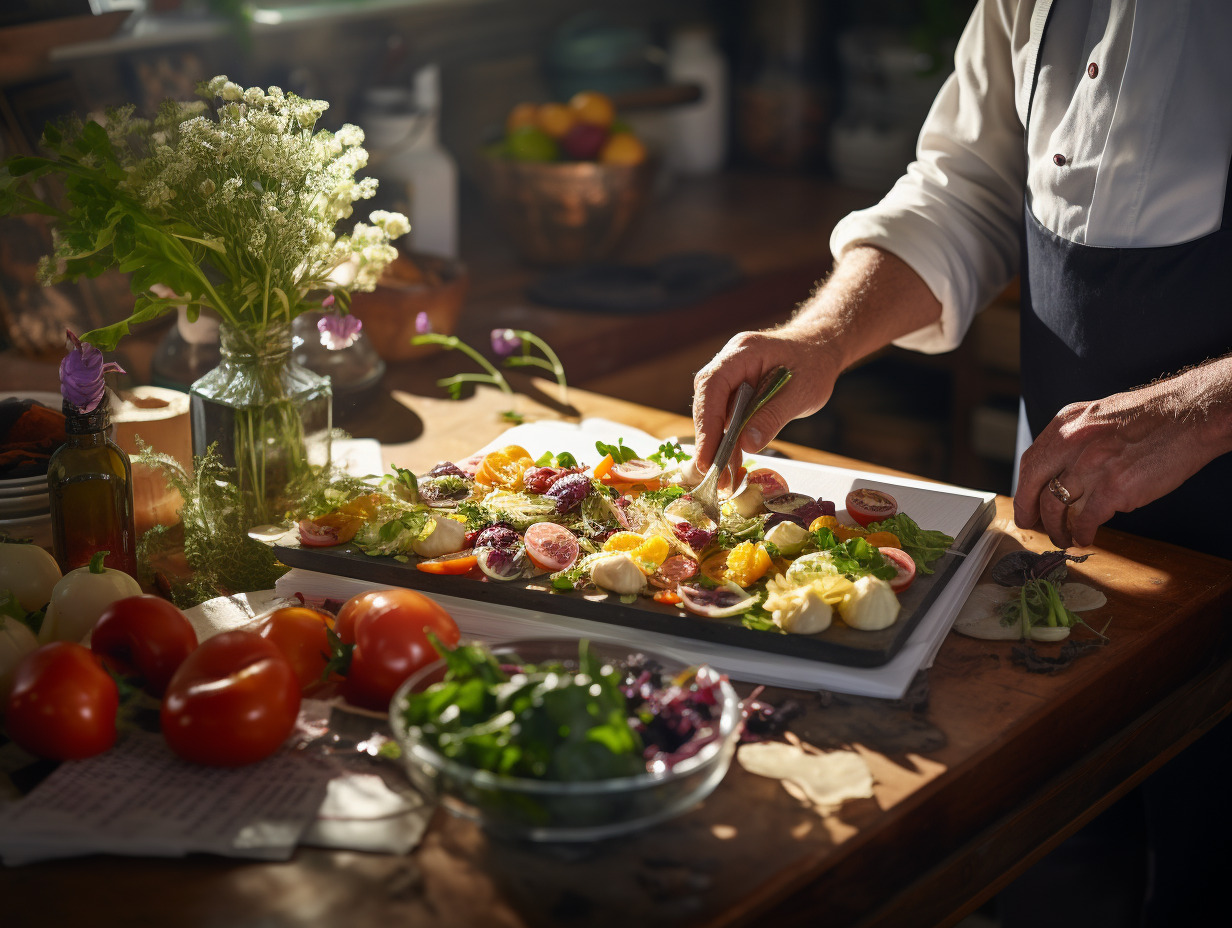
[[955, 217]]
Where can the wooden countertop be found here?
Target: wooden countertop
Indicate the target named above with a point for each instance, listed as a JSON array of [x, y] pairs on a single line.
[[977, 771]]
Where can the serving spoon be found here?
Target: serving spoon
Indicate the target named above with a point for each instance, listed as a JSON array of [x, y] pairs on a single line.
[[748, 401]]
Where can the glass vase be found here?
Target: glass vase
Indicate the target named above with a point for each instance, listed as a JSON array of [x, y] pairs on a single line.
[[269, 418]]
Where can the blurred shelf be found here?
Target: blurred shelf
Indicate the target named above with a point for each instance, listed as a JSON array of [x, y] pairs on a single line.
[[157, 30]]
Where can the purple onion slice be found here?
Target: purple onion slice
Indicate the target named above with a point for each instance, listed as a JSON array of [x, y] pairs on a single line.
[[717, 603]]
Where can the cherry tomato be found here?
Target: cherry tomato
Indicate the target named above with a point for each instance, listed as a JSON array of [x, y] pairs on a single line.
[[866, 505], [143, 636], [903, 563], [232, 702], [63, 703], [388, 629], [302, 635]]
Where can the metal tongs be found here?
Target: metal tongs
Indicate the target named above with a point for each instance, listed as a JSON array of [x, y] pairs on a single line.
[[748, 401]]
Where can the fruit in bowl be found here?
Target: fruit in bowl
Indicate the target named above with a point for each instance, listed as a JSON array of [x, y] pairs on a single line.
[[567, 179], [586, 128]]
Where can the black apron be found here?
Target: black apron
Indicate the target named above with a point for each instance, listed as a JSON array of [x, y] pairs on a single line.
[[1098, 321]]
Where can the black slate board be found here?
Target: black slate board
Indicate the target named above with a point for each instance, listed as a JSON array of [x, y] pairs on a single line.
[[837, 645]]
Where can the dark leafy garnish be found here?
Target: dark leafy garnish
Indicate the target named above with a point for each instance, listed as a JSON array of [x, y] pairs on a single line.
[[1026, 656], [924, 545], [1017, 567]]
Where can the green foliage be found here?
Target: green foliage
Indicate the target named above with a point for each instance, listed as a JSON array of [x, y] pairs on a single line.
[[232, 209], [223, 559], [549, 722], [924, 545]]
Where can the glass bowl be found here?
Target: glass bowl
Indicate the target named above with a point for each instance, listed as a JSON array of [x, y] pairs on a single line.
[[550, 810]]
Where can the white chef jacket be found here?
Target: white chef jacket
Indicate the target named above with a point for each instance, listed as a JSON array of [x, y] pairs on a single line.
[[1129, 146]]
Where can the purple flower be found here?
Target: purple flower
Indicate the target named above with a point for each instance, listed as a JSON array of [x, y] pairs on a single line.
[[81, 374], [505, 342], [337, 331], [328, 302], [423, 325]]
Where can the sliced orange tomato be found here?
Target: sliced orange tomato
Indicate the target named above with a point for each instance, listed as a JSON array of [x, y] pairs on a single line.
[[649, 551], [504, 467], [667, 597], [883, 540], [747, 563]]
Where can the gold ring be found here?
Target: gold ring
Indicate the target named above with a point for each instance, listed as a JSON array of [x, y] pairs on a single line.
[[1055, 488]]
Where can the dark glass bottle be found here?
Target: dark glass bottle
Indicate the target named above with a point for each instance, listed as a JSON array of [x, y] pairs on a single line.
[[90, 482]]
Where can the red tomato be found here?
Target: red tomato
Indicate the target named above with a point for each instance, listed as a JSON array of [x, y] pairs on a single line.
[[302, 635], [143, 636], [866, 505], [233, 701], [63, 703], [903, 563], [388, 629]]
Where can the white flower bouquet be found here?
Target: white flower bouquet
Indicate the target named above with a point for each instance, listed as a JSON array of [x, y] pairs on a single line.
[[232, 208]]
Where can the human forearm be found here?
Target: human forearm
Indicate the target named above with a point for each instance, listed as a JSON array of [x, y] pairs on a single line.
[[871, 298]]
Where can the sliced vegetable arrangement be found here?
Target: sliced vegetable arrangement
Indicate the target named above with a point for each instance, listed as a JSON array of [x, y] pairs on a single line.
[[779, 560]]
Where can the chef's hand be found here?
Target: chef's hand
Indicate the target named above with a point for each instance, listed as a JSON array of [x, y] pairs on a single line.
[[872, 298], [1120, 453], [745, 359]]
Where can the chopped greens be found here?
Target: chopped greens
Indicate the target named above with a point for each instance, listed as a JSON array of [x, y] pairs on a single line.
[[572, 721]]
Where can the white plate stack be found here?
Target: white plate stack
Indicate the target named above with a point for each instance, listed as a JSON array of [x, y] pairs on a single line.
[[25, 506]]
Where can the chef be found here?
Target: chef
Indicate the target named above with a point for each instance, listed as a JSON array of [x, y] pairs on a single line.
[[1084, 145]]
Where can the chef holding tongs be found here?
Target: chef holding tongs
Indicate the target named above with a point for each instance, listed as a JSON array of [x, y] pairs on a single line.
[[1084, 145]]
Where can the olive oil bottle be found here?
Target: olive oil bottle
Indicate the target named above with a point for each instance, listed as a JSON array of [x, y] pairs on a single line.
[[90, 482]]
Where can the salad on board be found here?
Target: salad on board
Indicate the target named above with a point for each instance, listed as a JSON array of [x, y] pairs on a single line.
[[627, 527]]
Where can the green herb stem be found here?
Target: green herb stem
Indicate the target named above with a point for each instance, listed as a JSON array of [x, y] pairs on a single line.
[[452, 342]]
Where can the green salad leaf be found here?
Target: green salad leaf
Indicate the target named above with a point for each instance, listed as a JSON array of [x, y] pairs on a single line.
[[924, 545]]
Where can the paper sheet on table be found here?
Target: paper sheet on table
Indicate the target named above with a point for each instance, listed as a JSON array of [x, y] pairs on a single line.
[[140, 799]]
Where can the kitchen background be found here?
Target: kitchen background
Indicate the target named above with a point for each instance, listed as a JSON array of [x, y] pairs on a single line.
[[810, 107]]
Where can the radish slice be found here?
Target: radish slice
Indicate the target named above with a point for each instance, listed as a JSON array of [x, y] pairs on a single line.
[[636, 470], [676, 568], [550, 546], [788, 502], [719, 603], [501, 563], [770, 482]]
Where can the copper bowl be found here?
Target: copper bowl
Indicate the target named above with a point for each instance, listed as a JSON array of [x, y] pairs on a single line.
[[565, 212], [414, 282]]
